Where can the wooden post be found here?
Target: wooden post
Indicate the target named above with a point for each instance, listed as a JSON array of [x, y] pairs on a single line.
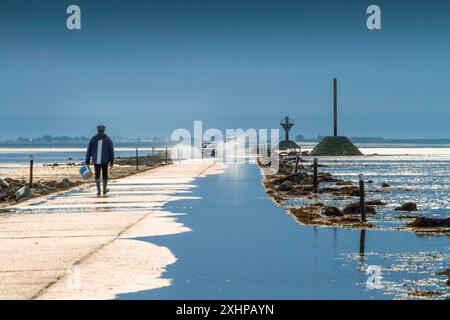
[[362, 242], [137, 159], [335, 107], [296, 163], [178, 154], [315, 175], [362, 205], [31, 171], [153, 150], [167, 155]]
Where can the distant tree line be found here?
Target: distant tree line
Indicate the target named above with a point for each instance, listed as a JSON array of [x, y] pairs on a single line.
[[50, 139], [80, 141]]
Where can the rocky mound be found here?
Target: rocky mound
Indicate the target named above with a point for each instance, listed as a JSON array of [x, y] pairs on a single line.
[[336, 146]]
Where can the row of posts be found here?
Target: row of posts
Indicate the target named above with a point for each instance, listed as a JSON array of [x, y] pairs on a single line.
[[137, 163], [30, 183], [153, 152], [362, 205]]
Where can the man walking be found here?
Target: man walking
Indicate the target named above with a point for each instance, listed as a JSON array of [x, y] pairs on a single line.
[[101, 150]]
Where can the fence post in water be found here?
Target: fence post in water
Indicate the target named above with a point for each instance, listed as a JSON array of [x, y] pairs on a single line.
[[137, 160], [153, 150], [167, 155], [31, 170], [362, 242], [296, 163], [362, 205], [315, 175]]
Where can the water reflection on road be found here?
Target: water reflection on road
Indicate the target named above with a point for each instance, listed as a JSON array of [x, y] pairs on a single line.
[[243, 246]]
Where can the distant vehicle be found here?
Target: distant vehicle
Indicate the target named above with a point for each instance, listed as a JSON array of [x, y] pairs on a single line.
[[209, 149]]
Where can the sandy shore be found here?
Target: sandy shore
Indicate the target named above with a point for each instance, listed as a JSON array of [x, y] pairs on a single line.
[[53, 178], [75, 245]]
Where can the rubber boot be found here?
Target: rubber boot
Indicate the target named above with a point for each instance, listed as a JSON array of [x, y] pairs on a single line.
[[97, 182], [105, 187]]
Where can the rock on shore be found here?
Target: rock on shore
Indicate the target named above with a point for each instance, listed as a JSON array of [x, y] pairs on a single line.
[[332, 211], [148, 160], [19, 190], [409, 206], [424, 222], [355, 208]]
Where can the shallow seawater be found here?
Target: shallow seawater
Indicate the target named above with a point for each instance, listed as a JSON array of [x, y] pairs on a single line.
[[243, 246], [420, 175], [14, 156]]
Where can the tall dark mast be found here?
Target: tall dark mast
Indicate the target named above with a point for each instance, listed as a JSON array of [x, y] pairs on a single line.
[[335, 145], [335, 106]]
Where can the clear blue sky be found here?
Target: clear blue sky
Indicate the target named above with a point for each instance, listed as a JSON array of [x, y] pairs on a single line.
[[144, 68]]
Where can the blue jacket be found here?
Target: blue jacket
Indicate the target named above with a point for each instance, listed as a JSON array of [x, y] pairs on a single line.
[[100, 149]]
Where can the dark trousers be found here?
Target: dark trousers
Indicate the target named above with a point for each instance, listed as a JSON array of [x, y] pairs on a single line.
[[104, 170]]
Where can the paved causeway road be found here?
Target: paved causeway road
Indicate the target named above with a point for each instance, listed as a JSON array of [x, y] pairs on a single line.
[[77, 245]]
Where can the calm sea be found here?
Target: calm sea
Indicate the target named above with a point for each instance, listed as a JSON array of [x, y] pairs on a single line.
[[13, 155]]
